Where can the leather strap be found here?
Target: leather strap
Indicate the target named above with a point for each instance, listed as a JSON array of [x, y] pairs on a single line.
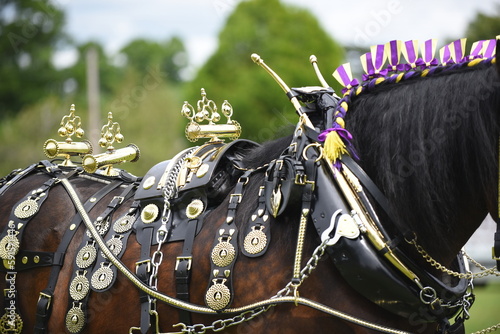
[[496, 244], [15, 176], [375, 192], [183, 268], [143, 271], [44, 301]]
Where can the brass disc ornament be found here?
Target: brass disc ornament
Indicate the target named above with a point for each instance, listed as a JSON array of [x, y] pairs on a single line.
[[11, 323], [149, 213], [86, 256], [123, 224], [194, 209], [26, 209], [79, 287], [115, 245], [102, 278], [218, 296], [9, 247], [75, 319], [255, 241], [223, 254]]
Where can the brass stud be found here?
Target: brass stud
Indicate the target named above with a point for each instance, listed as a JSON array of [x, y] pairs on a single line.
[[149, 182]]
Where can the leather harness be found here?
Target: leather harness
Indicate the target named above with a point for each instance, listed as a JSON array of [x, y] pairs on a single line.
[[211, 168]]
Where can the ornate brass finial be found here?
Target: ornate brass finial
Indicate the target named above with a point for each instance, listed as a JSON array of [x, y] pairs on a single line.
[[70, 125], [110, 133], [207, 111]]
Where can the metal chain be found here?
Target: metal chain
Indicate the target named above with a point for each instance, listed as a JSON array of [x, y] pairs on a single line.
[[221, 324], [485, 271], [169, 192], [306, 271], [488, 330]]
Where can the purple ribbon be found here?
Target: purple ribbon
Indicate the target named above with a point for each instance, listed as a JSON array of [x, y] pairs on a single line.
[[393, 55], [411, 53], [477, 50], [343, 133], [379, 57], [489, 50], [428, 53], [458, 54], [371, 70], [377, 74], [445, 55], [345, 79]]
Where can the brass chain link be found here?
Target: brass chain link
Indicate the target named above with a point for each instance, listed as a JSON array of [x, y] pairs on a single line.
[[485, 272], [433, 262]]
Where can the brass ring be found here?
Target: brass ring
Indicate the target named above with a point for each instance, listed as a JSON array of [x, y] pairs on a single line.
[[304, 152]]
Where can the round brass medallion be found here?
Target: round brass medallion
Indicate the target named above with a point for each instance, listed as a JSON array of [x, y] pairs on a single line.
[[115, 245], [202, 171], [255, 241], [123, 224], [86, 256], [79, 287], [102, 278], [149, 182], [9, 247], [218, 296], [223, 254], [149, 213], [194, 209], [11, 323], [26, 209], [75, 320]]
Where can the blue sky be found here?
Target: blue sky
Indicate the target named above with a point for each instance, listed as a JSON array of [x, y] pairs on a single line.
[[363, 22]]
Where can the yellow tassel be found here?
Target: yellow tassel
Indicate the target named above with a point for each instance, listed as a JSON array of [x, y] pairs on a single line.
[[334, 147]]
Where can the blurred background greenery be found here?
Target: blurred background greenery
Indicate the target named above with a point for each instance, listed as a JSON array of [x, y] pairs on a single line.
[[147, 81]]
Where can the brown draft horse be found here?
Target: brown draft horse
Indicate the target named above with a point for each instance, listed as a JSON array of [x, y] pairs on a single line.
[[429, 143]]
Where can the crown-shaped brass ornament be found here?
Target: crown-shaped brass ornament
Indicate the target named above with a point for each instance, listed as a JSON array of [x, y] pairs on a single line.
[[110, 133], [206, 110], [70, 125]]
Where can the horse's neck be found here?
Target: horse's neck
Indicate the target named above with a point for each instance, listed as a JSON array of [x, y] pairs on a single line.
[[430, 155]]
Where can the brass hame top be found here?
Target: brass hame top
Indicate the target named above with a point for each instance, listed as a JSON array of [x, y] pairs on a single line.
[[206, 110]]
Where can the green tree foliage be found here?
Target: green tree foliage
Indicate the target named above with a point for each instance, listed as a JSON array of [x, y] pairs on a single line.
[[169, 57], [285, 37], [484, 26], [29, 33]]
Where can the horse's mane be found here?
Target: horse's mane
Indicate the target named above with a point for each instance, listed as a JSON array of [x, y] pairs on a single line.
[[424, 140]]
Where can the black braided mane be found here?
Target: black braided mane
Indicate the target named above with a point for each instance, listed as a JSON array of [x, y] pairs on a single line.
[[429, 139]]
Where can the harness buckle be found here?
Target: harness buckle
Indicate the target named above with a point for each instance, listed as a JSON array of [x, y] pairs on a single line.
[[184, 258], [493, 255], [47, 296], [140, 263]]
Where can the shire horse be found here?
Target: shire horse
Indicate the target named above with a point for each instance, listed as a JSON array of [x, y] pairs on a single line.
[[429, 143]]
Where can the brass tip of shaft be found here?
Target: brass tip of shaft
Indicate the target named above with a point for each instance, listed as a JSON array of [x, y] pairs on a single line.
[[256, 58]]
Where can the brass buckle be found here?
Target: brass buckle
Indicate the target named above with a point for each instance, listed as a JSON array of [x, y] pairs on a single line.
[[300, 179], [239, 196], [496, 258], [184, 258], [49, 297], [139, 263], [119, 198]]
